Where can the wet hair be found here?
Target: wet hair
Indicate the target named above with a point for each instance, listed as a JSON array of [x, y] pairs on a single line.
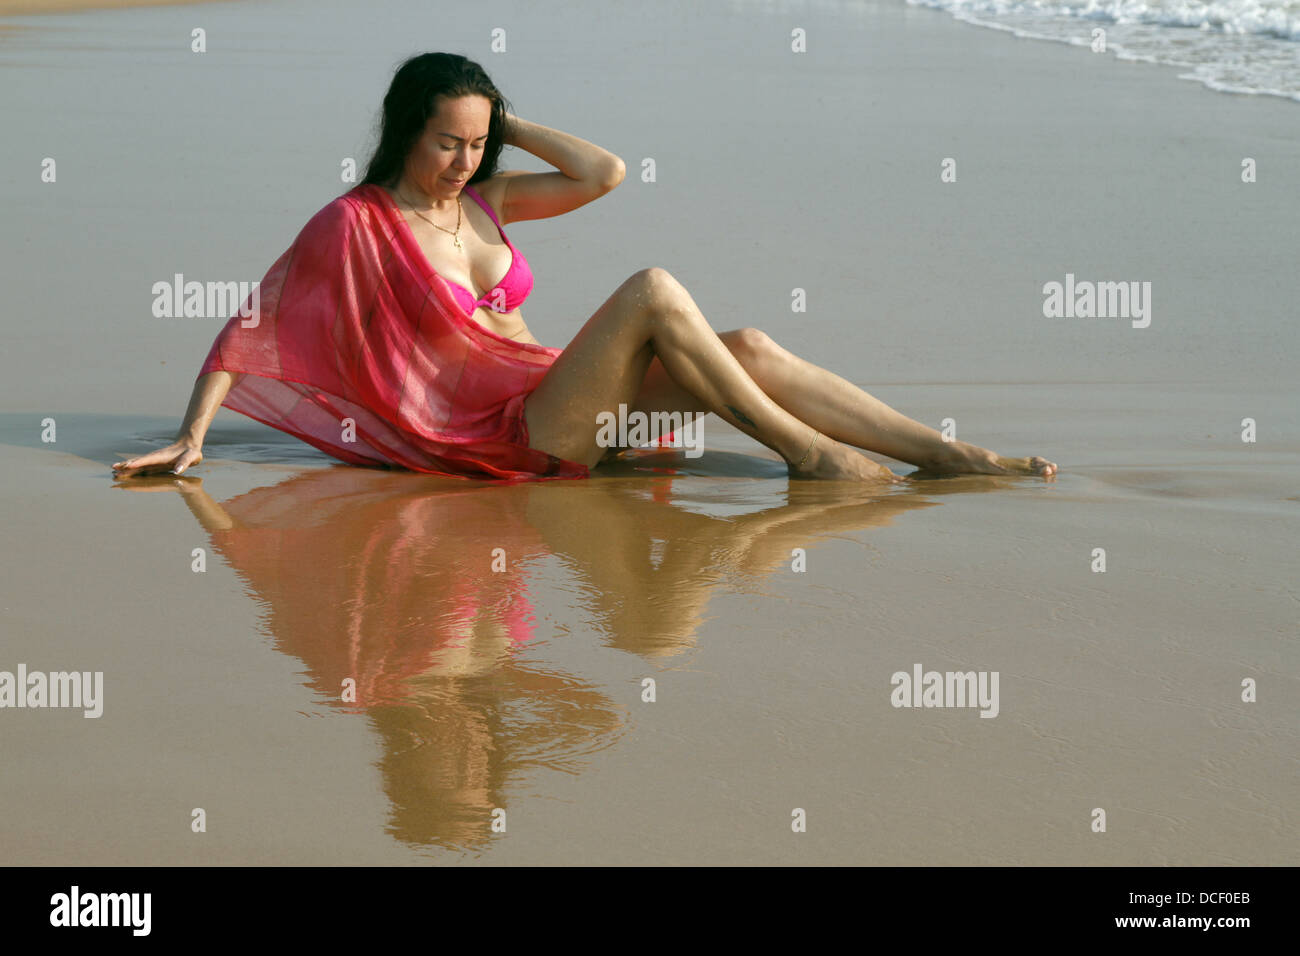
[[413, 97]]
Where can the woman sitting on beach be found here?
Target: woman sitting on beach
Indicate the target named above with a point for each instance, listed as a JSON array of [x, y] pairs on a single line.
[[371, 341]]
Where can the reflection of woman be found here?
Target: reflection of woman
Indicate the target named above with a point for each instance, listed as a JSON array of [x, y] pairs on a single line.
[[373, 579], [416, 601], [381, 336], [460, 749]]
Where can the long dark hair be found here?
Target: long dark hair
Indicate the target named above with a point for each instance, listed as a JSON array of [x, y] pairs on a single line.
[[412, 98]]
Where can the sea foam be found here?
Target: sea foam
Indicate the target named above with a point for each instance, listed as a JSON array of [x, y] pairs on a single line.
[[1235, 46]]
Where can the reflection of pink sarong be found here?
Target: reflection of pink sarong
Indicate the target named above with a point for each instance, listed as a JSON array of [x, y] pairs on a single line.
[[377, 585], [354, 323]]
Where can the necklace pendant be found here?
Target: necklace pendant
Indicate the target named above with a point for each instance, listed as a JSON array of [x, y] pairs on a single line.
[[459, 244]]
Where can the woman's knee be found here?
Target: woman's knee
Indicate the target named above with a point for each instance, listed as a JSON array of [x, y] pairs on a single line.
[[656, 290], [752, 347]]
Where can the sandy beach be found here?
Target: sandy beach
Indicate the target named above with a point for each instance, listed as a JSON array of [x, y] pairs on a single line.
[[772, 616]]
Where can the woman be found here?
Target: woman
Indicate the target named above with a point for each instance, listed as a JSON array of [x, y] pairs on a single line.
[[372, 340]]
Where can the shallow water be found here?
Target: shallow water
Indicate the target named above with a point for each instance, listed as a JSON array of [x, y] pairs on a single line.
[[521, 690]]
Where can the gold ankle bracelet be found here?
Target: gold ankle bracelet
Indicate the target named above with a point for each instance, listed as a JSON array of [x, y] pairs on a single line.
[[810, 444]]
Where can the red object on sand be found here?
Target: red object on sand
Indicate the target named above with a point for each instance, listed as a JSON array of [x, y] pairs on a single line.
[[353, 323]]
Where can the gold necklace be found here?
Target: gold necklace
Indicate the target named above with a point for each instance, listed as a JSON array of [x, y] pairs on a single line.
[[454, 235]]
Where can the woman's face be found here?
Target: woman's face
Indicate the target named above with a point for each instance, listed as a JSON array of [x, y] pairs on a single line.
[[447, 154]]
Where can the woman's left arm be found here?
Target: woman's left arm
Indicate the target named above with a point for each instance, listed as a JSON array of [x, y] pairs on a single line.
[[586, 172]]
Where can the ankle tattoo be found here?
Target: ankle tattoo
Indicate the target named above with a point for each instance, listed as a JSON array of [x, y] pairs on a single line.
[[740, 416]]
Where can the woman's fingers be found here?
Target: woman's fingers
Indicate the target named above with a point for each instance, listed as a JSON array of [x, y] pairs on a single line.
[[172, 458], [138, 460], [185, 460], [141, 463]]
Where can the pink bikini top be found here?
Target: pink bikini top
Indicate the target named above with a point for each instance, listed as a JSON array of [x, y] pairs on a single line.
[[514, 285]]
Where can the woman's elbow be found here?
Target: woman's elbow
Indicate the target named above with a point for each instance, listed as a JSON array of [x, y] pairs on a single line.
[[614, 175]]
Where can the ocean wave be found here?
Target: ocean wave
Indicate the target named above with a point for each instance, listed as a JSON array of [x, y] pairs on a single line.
[[1234, 46], [1276, 18]]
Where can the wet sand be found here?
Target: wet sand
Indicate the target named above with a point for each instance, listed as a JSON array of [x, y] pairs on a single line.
[[522, 689]]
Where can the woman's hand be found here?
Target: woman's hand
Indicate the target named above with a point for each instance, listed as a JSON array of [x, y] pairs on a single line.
[[175, 458], [209, 392]]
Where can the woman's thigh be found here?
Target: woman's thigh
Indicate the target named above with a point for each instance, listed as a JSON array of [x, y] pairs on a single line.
[[657, 392], [603, 366]]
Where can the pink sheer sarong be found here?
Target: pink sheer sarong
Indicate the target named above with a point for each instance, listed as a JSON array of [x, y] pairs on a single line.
[[359, 348]]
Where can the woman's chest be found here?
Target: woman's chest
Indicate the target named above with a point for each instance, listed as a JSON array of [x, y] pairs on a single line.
[[477, 269], [471, 257]]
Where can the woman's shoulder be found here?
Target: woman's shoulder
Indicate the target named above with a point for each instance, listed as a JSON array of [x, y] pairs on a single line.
[[493, 190], [333, 226], [357, 200], [344, 212]]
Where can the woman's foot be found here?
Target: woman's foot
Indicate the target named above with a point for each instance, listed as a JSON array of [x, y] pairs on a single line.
[[964, 458], [829, 459]]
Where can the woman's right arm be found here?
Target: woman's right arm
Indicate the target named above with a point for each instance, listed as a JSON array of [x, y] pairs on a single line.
[[209, 392]]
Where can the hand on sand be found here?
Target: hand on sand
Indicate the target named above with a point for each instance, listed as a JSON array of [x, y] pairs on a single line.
[[175, 458]]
